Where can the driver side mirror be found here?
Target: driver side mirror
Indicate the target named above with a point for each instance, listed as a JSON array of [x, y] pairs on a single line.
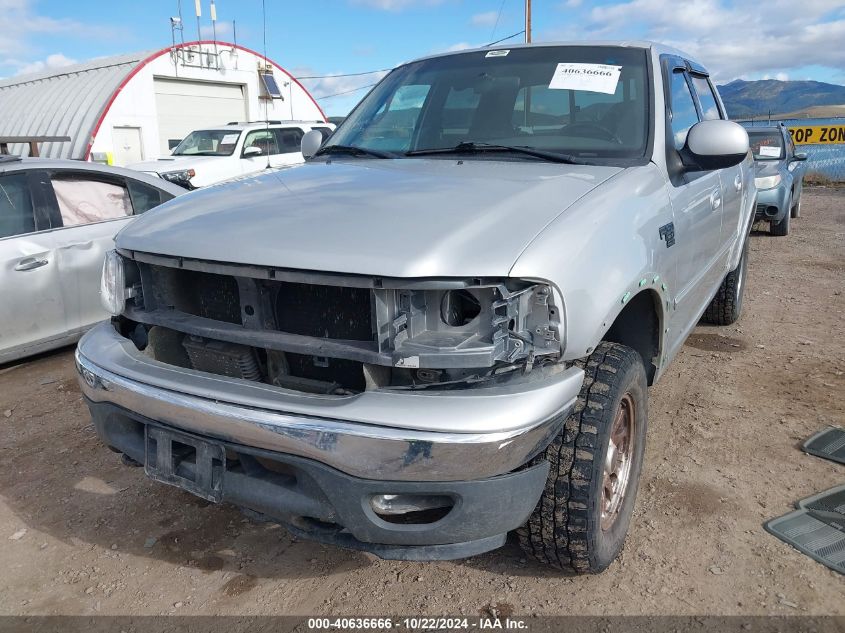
[[251, 151], [311, 142], [715, 144], [799, 156]]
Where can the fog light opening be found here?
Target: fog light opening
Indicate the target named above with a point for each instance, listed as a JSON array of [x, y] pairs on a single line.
[[411, 509]]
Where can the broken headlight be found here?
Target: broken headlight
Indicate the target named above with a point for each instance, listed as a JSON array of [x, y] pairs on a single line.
[[472, 326]]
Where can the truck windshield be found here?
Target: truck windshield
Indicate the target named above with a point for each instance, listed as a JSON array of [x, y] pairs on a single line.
[[766, 145], [208, 143], [582, 101]]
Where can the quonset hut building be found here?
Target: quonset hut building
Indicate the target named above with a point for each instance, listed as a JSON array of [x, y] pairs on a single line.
[[130, 108]]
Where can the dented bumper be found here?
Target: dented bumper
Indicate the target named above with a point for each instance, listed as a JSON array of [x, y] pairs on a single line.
[[384, 434]]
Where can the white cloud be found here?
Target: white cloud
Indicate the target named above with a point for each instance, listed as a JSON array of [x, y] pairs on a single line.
[[395, 5], [487, 18], [24, 34], [223, 29], [56, 60], [572, 4], [733, 40]]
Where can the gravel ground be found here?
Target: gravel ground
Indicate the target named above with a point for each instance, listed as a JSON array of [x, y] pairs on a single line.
[[82, 534]]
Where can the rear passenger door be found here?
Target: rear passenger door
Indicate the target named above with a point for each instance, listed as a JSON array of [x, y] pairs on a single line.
[[289, 142], [89, 209], [31, 304]]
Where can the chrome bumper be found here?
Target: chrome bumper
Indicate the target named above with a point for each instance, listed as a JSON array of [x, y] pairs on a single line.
[[382, 434]]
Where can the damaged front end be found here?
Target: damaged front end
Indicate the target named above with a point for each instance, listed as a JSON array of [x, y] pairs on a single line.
[[327, 333]]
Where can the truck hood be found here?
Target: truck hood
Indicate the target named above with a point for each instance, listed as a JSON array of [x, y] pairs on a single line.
[[174, 163], [393, 218]]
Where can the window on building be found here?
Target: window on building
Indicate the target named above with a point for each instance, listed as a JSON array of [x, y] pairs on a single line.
[[683, 112], [16, 212], [85, 200], [706, 98]]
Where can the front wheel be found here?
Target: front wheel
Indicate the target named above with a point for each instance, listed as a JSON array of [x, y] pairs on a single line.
[[795, 211], [582, 518], [726, 306], [781, 229]]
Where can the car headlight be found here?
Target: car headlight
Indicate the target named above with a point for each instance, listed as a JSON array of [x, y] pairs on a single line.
[[767, 182], [113, 290], [181, 177]]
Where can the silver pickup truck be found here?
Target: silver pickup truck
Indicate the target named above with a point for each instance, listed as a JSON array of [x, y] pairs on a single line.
[[442, 327]]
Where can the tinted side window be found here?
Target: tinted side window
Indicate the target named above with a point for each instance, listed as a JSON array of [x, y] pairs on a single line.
[[145, 197], [16, 213], [264, 140], [709, 106], [683, 113], [289, 140], [85, 200]]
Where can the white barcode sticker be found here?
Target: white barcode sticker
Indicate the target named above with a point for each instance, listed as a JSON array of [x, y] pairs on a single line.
[[411, 362], [498, 53], [229, 139], [587, 77], [768, 150]]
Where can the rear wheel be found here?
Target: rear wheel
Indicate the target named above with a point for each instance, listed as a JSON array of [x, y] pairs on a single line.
[[582, 518], [726, 306], [781, 229]]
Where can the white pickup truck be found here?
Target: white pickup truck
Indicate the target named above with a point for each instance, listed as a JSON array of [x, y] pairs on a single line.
[[205, 157]]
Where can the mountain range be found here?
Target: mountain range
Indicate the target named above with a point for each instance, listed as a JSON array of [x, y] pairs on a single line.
[[760, 98]]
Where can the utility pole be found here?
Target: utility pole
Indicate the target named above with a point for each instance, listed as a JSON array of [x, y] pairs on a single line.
[[527, 21]]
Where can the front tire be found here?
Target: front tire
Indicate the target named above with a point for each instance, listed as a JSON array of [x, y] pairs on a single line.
[[726, 306], [582, 518], [781, 229], [795, 211]]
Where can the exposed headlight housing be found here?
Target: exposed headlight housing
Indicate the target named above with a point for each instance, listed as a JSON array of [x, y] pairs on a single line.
[[113, 290], [767, 182], [181, 177]]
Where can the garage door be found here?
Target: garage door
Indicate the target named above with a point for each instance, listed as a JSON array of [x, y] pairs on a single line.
[[184, 106]]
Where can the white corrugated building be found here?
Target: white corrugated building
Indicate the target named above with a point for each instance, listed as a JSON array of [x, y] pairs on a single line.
[[130, 108]]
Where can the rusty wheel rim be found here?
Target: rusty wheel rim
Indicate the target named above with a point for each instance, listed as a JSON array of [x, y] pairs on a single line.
[[617, 462]]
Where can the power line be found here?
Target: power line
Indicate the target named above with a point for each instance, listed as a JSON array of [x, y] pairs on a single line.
[[369, 72], [504, 38], [345, 92]]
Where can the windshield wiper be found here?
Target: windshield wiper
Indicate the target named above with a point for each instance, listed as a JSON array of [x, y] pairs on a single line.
[[471, 147], [352, 150]]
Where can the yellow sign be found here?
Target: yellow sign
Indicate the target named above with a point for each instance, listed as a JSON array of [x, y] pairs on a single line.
[[817, 134]]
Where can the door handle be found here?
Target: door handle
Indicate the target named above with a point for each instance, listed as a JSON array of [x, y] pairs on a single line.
[[31, 263], [715, 199], [738, 183]]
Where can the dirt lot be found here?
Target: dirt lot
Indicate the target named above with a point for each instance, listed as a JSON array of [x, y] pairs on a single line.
[[82, 534]]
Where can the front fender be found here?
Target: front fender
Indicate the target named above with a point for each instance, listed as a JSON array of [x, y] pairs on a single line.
[[603, 251]]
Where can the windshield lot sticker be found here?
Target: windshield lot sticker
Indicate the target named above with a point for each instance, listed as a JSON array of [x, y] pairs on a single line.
[[500, 53], [587, 77], [767, 150], [229, 139]]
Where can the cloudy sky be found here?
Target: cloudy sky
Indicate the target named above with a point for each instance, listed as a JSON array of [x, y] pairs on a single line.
[[784, 39]]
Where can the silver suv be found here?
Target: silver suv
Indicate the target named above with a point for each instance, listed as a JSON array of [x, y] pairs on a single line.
[[443, 326]]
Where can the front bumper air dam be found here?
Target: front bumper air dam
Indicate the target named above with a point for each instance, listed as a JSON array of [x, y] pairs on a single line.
[[341, 451]]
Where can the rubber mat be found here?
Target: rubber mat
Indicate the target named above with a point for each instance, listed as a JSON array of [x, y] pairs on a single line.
[[821, 540], [828, 444], [832, 500]]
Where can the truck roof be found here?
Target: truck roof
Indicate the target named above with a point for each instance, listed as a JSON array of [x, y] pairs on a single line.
[[656, 47]]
